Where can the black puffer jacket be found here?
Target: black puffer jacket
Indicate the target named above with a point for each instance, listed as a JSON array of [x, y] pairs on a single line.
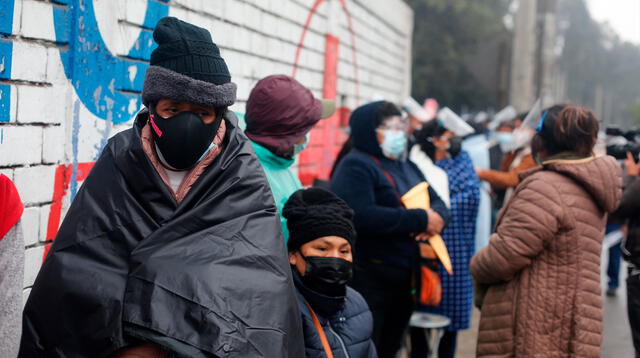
[[348, 330], [630, 209]]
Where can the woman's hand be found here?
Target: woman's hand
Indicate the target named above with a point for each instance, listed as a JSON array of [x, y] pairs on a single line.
[[633, 168], [436, 223]]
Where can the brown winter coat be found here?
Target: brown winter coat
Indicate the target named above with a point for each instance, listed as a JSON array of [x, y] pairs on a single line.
[[543, 262]]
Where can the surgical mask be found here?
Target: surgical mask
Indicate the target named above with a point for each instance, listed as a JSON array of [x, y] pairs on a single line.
[[182, 140], [298, 148], [394, 143], [455, 146], [504, 139], [327, 275]]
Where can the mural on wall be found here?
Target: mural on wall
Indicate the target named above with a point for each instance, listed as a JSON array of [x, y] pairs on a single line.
[[6, 51], [108, 85], [104, 84]]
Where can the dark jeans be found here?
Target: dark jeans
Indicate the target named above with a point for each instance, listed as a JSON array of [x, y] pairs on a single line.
[[633, 309], [387, 290], [613, 267], [420, 346]]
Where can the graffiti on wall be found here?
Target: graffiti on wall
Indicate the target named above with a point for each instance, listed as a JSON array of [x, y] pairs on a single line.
[[106, 87], [6, 51]]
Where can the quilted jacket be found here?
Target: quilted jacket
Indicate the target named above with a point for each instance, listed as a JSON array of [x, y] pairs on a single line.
[[543, 262]]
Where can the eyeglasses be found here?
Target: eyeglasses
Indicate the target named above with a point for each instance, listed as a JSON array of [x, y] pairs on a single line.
[[392, 128], [393, 124]]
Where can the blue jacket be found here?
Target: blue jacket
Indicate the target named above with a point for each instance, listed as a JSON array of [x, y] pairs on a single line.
[[348, 331], [383, 225]]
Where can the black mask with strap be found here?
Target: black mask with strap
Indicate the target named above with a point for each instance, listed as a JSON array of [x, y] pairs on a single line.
[[183, 139]]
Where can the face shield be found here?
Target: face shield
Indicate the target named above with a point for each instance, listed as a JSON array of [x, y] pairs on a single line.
[[522, 135]]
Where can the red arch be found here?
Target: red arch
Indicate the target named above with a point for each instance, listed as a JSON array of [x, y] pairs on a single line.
[[307, 23]]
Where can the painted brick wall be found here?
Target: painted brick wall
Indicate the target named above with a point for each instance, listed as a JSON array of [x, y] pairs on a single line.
[[71, 72]]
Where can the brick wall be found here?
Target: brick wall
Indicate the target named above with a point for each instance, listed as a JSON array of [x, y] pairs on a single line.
[[71, 72]]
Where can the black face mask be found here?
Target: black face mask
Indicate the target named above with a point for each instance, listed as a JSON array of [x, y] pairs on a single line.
[[455, 146], [327, 275], [183, 139]]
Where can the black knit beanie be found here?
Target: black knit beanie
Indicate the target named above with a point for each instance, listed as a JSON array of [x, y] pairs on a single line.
[[187, 66], [314, 213]]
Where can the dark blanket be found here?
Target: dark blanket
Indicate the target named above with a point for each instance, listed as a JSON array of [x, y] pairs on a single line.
[[210, 273]]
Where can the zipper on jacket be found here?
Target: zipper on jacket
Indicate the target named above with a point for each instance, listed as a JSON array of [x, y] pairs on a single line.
[[344, 348]]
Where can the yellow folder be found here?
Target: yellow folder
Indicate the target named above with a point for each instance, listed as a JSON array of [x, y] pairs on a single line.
[[418, 198]]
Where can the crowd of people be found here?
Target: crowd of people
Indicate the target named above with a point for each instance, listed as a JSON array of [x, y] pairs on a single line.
[[193, 238]]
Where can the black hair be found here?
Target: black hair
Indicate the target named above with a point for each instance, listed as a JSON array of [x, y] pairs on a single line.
[[386, 110], [424, 137]]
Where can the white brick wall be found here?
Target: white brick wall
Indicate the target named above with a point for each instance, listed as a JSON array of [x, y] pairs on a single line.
[[21, 145], [29, 61], [48, 125], [32, 263], [31, 225], [35, 184]]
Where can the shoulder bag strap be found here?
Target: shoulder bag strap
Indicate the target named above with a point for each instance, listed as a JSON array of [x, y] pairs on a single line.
[[323, 336], [389, 177]]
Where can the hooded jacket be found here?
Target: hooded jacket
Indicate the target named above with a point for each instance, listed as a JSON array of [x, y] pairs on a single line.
[[208, 276], [282, 180], [383, 225], [543, 262], [280, 111]]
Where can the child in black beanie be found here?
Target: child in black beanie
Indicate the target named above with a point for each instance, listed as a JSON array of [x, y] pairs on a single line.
[[320, 253]]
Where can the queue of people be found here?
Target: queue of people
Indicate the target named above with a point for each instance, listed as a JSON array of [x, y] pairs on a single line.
[[193, 238]]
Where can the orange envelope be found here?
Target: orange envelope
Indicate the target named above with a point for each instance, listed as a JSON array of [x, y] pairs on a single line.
[[418, 198]]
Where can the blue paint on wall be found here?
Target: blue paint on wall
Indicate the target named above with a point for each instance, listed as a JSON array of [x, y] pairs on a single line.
[[107, 85], [6, 51], [5, 102], [6, 17], [75, 130]]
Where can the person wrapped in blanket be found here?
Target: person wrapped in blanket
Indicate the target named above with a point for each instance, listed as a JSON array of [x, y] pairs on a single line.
[[172, 246]]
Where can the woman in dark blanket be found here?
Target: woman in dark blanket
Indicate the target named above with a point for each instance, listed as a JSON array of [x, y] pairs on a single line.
[[172, 246]]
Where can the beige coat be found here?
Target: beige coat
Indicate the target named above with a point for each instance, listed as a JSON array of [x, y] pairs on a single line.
[[543, 263]]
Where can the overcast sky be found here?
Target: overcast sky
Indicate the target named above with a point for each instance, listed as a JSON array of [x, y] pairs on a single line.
[[622, 15]]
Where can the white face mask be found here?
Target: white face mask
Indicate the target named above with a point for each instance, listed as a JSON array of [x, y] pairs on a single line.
[[394, 144], [504, 139], [298, 148]]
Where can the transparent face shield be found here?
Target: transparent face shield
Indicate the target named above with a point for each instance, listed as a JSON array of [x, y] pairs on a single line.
[[522, 135], [414, 109], [451, 121], [481, 117], [506, 114]]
